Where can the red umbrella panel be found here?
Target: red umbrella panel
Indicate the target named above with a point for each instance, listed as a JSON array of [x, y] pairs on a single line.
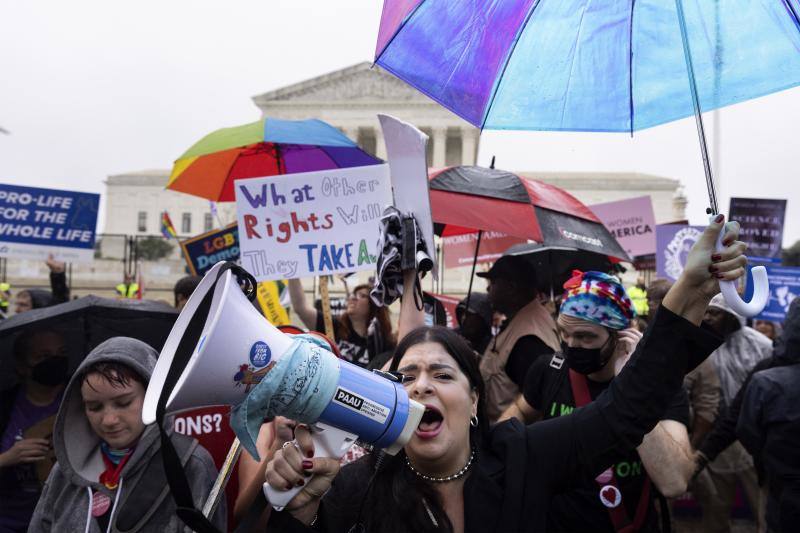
[[466, 199]]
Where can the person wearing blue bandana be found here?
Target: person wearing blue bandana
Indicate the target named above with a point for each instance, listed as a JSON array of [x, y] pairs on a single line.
[[595, 324]]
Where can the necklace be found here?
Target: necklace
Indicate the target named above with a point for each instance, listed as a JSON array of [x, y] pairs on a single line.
[[444, 479]]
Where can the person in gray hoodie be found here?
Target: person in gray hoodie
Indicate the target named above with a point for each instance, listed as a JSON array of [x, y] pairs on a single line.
[[109, 475]]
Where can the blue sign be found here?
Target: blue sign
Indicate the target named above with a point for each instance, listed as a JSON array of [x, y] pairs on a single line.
[[204, 251], [260, 354], [35, 223], [784, 286]]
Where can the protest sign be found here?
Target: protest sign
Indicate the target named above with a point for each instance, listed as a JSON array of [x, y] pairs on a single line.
[[405, 149], [459, 250], [673, 242], [269, 298], [632, 222], [761, 222], [205, 250], [784, 287], [212, 429], [35, 223], [311, 223]]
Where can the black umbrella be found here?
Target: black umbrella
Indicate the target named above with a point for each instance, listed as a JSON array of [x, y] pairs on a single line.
[[85, 323], [554, 264]]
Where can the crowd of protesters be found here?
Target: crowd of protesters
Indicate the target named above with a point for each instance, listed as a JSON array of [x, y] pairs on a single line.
[[591, 415]]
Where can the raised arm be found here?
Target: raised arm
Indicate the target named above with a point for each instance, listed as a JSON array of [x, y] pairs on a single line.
[[306, 313], [58, 280], [594, 436], [411, 317]]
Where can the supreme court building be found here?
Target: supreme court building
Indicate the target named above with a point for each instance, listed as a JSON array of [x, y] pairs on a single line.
[[350, 99]]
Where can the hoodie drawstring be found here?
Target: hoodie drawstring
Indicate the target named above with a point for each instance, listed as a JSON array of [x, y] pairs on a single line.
[[114, 508], [89, 512], [117, 497]]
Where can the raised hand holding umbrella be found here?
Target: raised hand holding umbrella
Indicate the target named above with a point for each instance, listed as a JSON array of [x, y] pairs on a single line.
[[577, 65]]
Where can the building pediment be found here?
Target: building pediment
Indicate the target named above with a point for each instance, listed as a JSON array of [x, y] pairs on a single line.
[[361, 82]]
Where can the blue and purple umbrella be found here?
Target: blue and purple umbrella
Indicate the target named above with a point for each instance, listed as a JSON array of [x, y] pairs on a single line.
[[588, 65]]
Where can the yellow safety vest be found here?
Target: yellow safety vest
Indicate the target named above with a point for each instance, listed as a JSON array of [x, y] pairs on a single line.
[[639, 298], [127, 291], [4, 288]]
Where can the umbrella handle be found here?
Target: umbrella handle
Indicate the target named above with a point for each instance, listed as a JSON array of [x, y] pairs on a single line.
[[760, 290]]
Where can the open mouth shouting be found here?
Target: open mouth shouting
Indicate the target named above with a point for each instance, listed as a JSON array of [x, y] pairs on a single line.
[[431, 423]]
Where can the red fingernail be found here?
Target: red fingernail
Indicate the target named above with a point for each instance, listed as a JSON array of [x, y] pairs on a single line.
[[727, 242], [289, 487], [308, 465], [712, 269], [301, 483], [719, 275], [719, 218], [309, 454], [716, 257]]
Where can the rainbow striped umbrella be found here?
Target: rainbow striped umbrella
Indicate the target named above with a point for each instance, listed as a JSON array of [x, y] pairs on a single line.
[[269, 147]]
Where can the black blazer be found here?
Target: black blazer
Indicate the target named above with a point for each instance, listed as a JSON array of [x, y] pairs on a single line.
[[520, 468]]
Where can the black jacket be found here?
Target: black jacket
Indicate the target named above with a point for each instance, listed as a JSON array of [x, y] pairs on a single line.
[[769, 428], [520, 468]]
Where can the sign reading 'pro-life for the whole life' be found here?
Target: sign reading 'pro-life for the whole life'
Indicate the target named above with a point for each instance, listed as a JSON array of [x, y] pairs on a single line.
[[311, 223], [35, 223]]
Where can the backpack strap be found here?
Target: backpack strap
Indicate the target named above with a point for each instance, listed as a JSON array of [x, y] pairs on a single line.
[[176, 477]]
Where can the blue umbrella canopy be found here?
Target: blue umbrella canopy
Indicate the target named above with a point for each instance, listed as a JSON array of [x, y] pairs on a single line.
[[588, 65]]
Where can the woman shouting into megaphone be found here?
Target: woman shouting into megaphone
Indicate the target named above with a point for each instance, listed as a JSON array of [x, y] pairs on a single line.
[[458, 474]]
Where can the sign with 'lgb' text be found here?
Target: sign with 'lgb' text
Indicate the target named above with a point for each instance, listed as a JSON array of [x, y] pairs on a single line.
[[35, 223], [311, 223], [204, 251]]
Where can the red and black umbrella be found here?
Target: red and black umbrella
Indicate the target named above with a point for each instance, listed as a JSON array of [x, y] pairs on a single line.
[[466, 199]]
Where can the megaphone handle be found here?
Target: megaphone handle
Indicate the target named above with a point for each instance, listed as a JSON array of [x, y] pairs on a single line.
[[328, 442], [760, 290]]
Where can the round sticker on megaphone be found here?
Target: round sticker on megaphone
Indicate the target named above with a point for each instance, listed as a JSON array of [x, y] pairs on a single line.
[[260, 354]]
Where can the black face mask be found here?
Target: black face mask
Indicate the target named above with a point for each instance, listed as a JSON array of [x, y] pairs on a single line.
[[589, 360], [51, 372]]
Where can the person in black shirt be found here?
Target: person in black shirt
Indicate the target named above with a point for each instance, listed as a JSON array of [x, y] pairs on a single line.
[[595, 320], [363, 331], [459, 474]]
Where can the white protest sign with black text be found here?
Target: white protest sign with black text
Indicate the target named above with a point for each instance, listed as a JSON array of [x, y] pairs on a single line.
[[311, 223]]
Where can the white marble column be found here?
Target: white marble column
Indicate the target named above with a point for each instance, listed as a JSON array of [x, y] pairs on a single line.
[[439, 139], [469, 152], [380, 145]]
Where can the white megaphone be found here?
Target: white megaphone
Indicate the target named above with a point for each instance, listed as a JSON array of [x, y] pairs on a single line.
[[237, 347]]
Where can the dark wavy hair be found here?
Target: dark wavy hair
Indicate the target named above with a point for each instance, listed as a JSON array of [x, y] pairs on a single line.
[[394, 500], [381, 314]]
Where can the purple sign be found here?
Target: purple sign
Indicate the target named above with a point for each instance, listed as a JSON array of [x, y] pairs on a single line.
[[673, 242], [762, 226], [632, 222]]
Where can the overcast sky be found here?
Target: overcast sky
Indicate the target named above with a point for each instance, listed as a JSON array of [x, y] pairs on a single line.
[[95, 88]]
